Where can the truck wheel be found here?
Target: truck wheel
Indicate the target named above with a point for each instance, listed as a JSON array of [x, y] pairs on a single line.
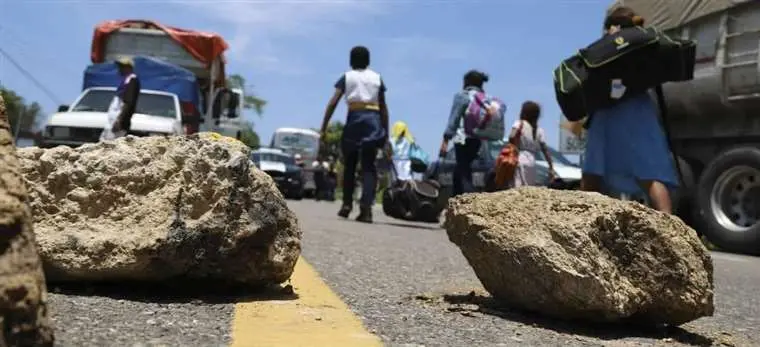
[[728, 197]]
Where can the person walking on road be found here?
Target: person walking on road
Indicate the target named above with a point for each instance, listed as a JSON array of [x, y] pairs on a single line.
[[365, 132], [626, 147], [530, 139], [466, 145], [124, 103], [401, 143]]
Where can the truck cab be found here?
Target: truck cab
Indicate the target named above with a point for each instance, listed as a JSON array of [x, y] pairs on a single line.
[[157, 114]]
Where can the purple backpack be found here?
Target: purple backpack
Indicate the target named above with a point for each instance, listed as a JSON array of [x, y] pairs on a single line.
[[478, 123]]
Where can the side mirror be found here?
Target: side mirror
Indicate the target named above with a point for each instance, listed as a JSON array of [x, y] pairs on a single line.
[[63, 108], [232, 105]]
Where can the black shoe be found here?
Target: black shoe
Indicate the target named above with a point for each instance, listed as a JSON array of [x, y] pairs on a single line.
[[345, 210], [365, 215]]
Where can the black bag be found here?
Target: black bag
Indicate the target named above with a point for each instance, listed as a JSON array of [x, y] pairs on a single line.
[[412, 200], [635, 58]]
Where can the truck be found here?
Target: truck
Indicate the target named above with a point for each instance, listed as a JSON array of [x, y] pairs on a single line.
[[216, 108], [714, 119], [158, 112], [304, 143]]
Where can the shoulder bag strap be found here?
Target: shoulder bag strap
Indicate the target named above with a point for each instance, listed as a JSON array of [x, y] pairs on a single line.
[[518, 135]]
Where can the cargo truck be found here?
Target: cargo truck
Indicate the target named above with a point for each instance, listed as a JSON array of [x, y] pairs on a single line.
[[714, 120], [164, 88], [217, 107]]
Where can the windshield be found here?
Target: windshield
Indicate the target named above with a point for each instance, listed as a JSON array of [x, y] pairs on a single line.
[[303, 144], [150, 104], [557, 157], [273, 157]]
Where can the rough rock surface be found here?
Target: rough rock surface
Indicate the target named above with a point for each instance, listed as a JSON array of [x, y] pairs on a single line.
[[577, 255], [23, 297], [159, 208]]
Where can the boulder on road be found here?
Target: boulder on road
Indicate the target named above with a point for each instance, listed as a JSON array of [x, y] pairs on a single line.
[[23, 295], [578, 255], [159, 208]]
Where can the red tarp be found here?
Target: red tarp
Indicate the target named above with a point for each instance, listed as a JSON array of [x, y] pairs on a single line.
[[201, 45]]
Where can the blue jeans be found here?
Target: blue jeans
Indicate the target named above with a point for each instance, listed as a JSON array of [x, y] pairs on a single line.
[[465, 154], [369, 175]]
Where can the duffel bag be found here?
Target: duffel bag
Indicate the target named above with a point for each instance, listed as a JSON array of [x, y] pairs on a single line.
[[619, 66]]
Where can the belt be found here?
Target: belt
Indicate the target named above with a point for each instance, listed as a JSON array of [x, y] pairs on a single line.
[[362, 106]]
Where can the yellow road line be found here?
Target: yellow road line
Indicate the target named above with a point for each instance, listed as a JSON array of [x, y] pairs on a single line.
[[317, 318]]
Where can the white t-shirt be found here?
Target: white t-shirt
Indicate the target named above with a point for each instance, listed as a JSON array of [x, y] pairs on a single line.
[[361, 85], [528, 145]]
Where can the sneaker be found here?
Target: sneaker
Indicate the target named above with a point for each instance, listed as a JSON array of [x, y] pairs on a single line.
[[345, 210], [365, 215]]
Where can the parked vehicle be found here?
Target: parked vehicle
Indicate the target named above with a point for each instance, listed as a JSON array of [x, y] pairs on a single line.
[[282, 167], [304, 142], [219, 107], [442, 170], [164, 88], [714, 120], [157, 114]]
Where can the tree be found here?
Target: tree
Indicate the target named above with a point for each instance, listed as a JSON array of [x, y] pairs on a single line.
[[249, 136], [250, 100], [20, 114]]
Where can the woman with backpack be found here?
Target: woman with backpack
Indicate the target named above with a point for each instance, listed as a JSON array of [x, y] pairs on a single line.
[[626, 147], [466, 146], [529, 139], [365, 132]]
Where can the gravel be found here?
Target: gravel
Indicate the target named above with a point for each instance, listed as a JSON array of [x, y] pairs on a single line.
[[412, 287], [132, 315]]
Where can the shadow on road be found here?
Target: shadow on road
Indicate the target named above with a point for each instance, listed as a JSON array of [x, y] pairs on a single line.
[[473, 303], [411, 225], [175, 292]]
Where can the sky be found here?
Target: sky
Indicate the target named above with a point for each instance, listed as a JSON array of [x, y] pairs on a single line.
[[292, 52]]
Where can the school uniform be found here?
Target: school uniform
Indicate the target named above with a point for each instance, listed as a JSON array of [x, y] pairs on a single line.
[[363, 133], [122, 108]]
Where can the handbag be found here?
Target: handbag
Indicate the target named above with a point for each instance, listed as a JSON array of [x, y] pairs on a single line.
[[508, 159]]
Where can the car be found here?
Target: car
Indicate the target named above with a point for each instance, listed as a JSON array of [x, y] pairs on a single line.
[[282, 167], [566, 172]]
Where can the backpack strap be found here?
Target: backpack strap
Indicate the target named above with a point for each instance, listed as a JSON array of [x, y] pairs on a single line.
[[666, 128]]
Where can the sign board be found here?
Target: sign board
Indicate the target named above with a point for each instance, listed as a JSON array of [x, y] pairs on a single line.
[[569, 142]]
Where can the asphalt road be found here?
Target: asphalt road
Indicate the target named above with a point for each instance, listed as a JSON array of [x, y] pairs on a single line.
[[409, 285]]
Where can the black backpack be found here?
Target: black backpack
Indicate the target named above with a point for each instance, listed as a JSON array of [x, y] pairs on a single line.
[[637, 58]]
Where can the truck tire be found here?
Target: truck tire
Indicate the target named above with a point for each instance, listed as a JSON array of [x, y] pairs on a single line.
[[728, 198]]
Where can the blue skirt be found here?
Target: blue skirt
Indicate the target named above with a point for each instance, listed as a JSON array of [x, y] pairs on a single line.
[[626, 145], [363, 129]]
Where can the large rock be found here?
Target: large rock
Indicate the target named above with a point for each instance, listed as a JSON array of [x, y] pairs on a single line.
[[577, 255], [23, 306], [159, 208]]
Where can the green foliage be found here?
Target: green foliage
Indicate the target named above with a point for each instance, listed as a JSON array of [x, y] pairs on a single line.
[[250, 137], [19, 111], [332, 140], [250, 100]]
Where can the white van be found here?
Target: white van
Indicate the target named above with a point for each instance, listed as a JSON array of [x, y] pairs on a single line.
[[157, 114]]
